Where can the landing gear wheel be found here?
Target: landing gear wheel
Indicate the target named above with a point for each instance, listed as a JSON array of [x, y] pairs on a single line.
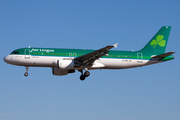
[[82, 77], [86, 74], [26, 74]]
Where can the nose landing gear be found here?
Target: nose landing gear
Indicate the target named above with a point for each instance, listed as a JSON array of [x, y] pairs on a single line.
[[26, 73]]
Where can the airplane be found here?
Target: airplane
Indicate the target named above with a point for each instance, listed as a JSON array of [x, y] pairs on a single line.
[[65, 61]]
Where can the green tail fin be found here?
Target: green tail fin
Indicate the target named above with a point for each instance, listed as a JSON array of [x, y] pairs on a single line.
[[157, 45]]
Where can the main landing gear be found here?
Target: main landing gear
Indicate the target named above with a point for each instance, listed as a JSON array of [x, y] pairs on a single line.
[[83, 76], [26, 73]]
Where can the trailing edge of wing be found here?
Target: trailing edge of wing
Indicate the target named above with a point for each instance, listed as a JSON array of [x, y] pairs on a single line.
[[162, 56]]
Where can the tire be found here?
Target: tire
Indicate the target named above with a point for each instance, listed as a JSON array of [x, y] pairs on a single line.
[[82, 77], [87, 73], [26, 74]]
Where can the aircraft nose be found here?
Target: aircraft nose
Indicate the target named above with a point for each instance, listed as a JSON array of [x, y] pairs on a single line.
[[7, 59]]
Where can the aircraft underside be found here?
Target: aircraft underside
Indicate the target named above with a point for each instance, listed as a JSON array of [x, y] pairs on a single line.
[[54, 63]]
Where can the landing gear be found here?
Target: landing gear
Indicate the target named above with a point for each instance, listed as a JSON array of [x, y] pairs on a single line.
[[87, 73], [83, 76], [26, 73]]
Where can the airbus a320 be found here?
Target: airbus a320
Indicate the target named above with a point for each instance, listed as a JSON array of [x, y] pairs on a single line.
[[66, 61]]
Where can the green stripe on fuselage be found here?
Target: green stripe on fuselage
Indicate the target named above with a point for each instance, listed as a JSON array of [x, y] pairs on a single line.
[[55, 52]]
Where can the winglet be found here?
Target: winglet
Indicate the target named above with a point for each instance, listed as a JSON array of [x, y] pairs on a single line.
[[115, 45]]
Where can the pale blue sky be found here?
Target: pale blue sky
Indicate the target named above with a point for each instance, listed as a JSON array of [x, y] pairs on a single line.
[[146, 93]]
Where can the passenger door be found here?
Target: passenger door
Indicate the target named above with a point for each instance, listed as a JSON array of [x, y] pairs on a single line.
[[27, 54], [139, 57]]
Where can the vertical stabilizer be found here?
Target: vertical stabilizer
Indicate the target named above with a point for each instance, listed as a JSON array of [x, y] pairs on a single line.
[[157, 45]]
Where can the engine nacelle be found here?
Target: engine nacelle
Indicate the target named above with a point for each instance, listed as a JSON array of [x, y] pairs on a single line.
[[65, 64], [56, 71], [61, 72]]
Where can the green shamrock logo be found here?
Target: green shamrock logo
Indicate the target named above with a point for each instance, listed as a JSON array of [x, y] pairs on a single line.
[[159, 41]]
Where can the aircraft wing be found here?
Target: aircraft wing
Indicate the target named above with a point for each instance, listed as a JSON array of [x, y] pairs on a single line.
[[162, 56], [88, 59]]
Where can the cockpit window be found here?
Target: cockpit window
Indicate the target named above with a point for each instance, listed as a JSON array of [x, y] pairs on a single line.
[[15, 52]]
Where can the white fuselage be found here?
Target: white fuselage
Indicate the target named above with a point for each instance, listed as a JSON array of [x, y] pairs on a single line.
[[51, 61]]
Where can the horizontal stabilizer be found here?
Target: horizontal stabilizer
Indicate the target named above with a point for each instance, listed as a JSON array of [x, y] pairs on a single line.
[[162, 56]]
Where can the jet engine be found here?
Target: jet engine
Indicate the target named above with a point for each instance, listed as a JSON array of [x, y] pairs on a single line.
[[61, 72], [65, 64]]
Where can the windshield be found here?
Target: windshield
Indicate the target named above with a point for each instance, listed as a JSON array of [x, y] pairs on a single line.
[[15, 52]]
